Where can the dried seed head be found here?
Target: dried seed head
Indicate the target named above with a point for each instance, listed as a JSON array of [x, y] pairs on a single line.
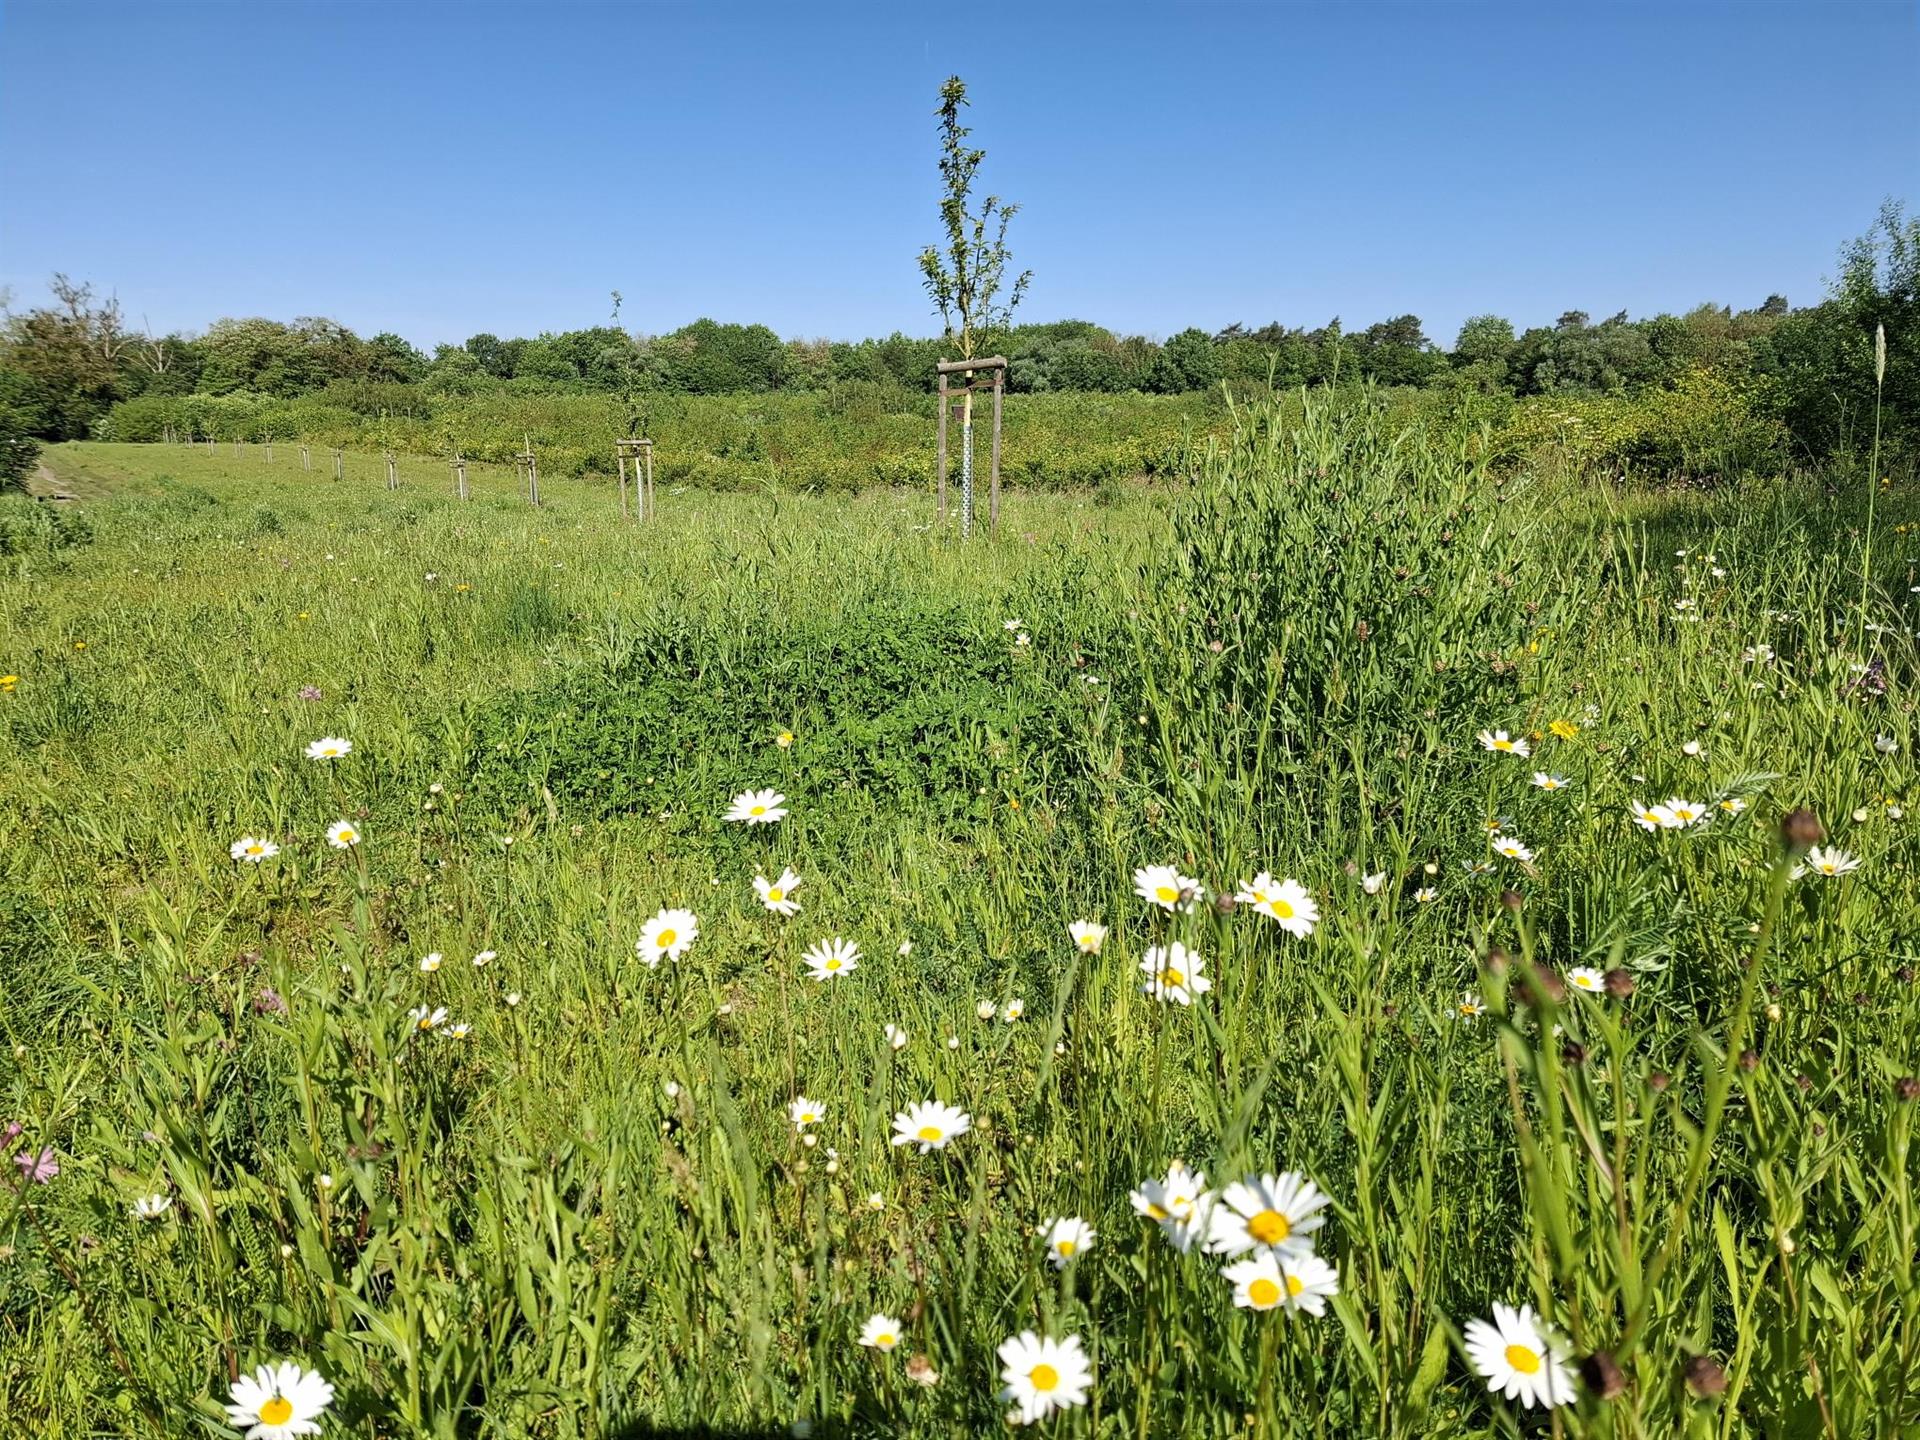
[[1619, 983], [1704, 1376], [1801, 831], [1601, 1374]]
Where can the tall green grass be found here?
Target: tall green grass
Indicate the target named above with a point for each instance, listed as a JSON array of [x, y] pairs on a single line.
[[591, 1216]]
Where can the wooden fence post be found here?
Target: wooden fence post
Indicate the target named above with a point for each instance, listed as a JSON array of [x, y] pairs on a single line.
[[459, 476], [339, 466], [393, 475], [306, 459], [940, 463], [269, 450], [993, 503]]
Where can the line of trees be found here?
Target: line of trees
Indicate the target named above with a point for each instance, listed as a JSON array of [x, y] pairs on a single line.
[[63, 365]]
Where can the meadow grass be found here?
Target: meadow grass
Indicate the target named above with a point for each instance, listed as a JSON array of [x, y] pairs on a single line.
[[591, 1214]]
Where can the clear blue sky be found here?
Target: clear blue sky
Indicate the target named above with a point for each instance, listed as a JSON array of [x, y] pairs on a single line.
[[444, 168]]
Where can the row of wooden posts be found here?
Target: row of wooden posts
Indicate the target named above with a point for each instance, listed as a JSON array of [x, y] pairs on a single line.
[[634, 456]]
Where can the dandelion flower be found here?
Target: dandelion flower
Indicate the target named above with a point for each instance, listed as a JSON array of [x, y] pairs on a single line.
[[341, 835], [151, 1207], [1516, 1359], [1067, 1237], [777, 895], [329, 747], [427, 1017], [804, 1112], [1173, 974], [784, 739], [1088, 935], [667, 936], [1510, 846], [1563, 729], [1826, 860], [1166, 887], [930, 1125], [1544, 781], [1042, 1376], [251, 849], [831, 959], [757, 807], [1303, 1282], [881, 1332], [1499, 740], [279, 1402], [1277, 1213]]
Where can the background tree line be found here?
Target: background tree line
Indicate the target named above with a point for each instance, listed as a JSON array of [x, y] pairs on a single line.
[[1809, 370]]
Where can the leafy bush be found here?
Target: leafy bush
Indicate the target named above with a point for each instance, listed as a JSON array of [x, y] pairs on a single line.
[[37, 527]]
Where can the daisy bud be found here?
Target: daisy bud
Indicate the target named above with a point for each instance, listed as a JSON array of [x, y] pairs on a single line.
[[1704, 1377], [1573, 1053], [1223, 903], [1496, 960], [1511, 899], [1801, 832], [1659, 1080], [1907, 1088], [1547, 982], [1619, 983], [1601, 1374], [1749, 1060], [1773, 1013]]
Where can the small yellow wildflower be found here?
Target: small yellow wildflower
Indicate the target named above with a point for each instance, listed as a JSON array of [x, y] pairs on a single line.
[[1564, 729]]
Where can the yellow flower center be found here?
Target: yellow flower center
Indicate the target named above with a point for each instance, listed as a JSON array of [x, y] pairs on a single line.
[[1295, 1285], [666, 938], [756, 810], [1283, 909], [256, 849], [1170, 977], [930, 1133], [1166, 894], [831, 965], [1264, 1293], [1155, 1212], [1044, 1377], [426, 1022], [1065, 1247], [346, 835], [775, 894], [1522, 1359], [276, 1411], [884, 1340], [1503, 745], [1269, 1227]]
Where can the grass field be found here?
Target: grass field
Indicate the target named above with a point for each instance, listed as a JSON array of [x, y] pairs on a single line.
[[582, 1201]]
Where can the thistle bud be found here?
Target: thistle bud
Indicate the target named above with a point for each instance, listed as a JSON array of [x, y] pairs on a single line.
[[1511, 899], [1659, 1080], [1704, 1377], [1801, 831], [1619, 983], [1749, 1060], [1601, 1374]]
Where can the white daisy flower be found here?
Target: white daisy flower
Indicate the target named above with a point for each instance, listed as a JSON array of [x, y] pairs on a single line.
[[1425, 895], [1088, 935], [151, 1207], [1499, 740], [1013, 1010], [1067, 1237], [1682, 813], [1510, 846], [1517, 1359], [1693, 750], [279, 1402], [342, 835], [881, 1332], [804, 1112], [896, 1037], [1166, 887], [426, 1017], [457, 1032], [1585, 977], [1375, 883], [1829, 861], [1732, 805], [1649, 817], [757, 807], [777, 895], [1274, 1212], [252, 849], [667, 936], [329, 747], [1886, 744], [430, 962], [930, 1124], [1173, 974], [1544, 781], [1302, 1282], [832, 959], [1177, 1204], [1285, 902], [1042, 1376], [1470, 1006]]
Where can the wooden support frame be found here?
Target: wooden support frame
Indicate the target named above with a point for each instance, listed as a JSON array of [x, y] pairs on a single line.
[[306, 460], [460, 491], [638, 453], [528, 464], [393, 471], [339, 464], [994, 369]]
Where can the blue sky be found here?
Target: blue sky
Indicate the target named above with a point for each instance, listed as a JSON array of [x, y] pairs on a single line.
[[445, 168]]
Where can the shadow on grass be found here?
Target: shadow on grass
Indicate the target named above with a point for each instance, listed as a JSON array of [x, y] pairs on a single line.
[[642, 1430]]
